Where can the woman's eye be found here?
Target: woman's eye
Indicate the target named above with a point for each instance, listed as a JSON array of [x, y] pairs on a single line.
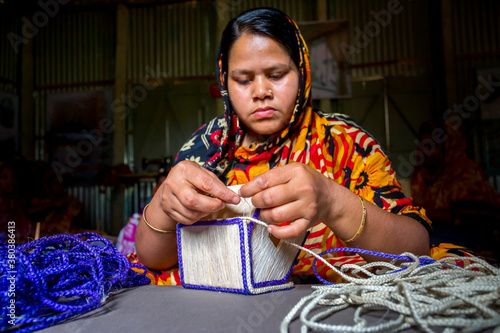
[[276, 76], [242, 81]]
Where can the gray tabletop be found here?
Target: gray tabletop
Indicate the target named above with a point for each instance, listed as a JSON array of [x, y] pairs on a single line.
[[176, 309]]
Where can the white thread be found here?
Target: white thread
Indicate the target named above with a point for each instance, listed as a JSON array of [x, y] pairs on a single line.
[[249, 270], [211, 256], [270, 262], [244, 207], [250, 207], [223, 268]]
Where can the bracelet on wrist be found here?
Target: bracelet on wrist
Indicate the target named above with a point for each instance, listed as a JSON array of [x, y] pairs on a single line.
[[151, 227], [363, 221]]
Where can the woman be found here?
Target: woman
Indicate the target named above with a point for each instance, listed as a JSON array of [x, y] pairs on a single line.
[[268, 124], [12, 205], [455, 191], [448, 181]]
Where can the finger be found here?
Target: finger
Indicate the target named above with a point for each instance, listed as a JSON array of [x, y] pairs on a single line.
[[208, 183], [178, 212], [191, 199], [294, 229], [275, 196], [282, 213], [182, 218], [264, 181], [187, 202]]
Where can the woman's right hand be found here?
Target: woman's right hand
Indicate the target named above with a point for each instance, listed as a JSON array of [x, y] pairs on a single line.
[[191, 192], [188, 194]]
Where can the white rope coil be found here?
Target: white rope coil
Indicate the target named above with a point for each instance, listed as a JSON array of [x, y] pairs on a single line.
[[436, 297]]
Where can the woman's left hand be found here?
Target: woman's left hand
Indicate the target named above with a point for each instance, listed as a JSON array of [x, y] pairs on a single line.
[[293, 193]]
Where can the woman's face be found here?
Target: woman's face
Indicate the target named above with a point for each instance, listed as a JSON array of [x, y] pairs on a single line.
[[263, 82]]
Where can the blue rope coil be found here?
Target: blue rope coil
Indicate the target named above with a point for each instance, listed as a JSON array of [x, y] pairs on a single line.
[[57, 277]]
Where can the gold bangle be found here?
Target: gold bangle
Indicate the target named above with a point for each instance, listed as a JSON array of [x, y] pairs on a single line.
[[363, 220], [153, 228]]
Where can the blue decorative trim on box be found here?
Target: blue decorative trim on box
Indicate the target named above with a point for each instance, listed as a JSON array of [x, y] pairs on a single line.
[[272, 282], [179, 243], [234, 220], [241, 225], [227, 290], [179, 254]]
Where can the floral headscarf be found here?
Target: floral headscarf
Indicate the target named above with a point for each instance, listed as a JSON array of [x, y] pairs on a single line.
[[214, 144]]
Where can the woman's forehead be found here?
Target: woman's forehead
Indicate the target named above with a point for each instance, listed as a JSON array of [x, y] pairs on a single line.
[[258, 49]]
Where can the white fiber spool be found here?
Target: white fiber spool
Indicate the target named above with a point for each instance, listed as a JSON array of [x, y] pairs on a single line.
[[228, 252]]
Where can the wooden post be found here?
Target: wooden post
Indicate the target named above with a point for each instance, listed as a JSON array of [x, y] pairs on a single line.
[[322, 10], [322, 15], [120, 112], [449, 53], [27, 103], [122, 35], [223, 17]]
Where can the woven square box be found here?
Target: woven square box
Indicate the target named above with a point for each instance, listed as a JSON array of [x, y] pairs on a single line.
[[234, 255]]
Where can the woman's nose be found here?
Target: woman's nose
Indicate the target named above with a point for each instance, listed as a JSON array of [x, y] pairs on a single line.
[[261, 89]]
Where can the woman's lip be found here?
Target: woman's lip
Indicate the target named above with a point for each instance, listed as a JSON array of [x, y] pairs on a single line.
[[264, 112]]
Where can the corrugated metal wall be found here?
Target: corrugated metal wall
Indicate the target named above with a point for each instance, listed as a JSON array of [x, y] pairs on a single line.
[[476, 32], [175, 40], [385, 44], [8, 57], [76, 49], [73, 52], [97, 208], [402, 47], [298, 10]]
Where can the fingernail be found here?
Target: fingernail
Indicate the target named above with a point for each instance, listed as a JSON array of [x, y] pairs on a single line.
[[236, 200]]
